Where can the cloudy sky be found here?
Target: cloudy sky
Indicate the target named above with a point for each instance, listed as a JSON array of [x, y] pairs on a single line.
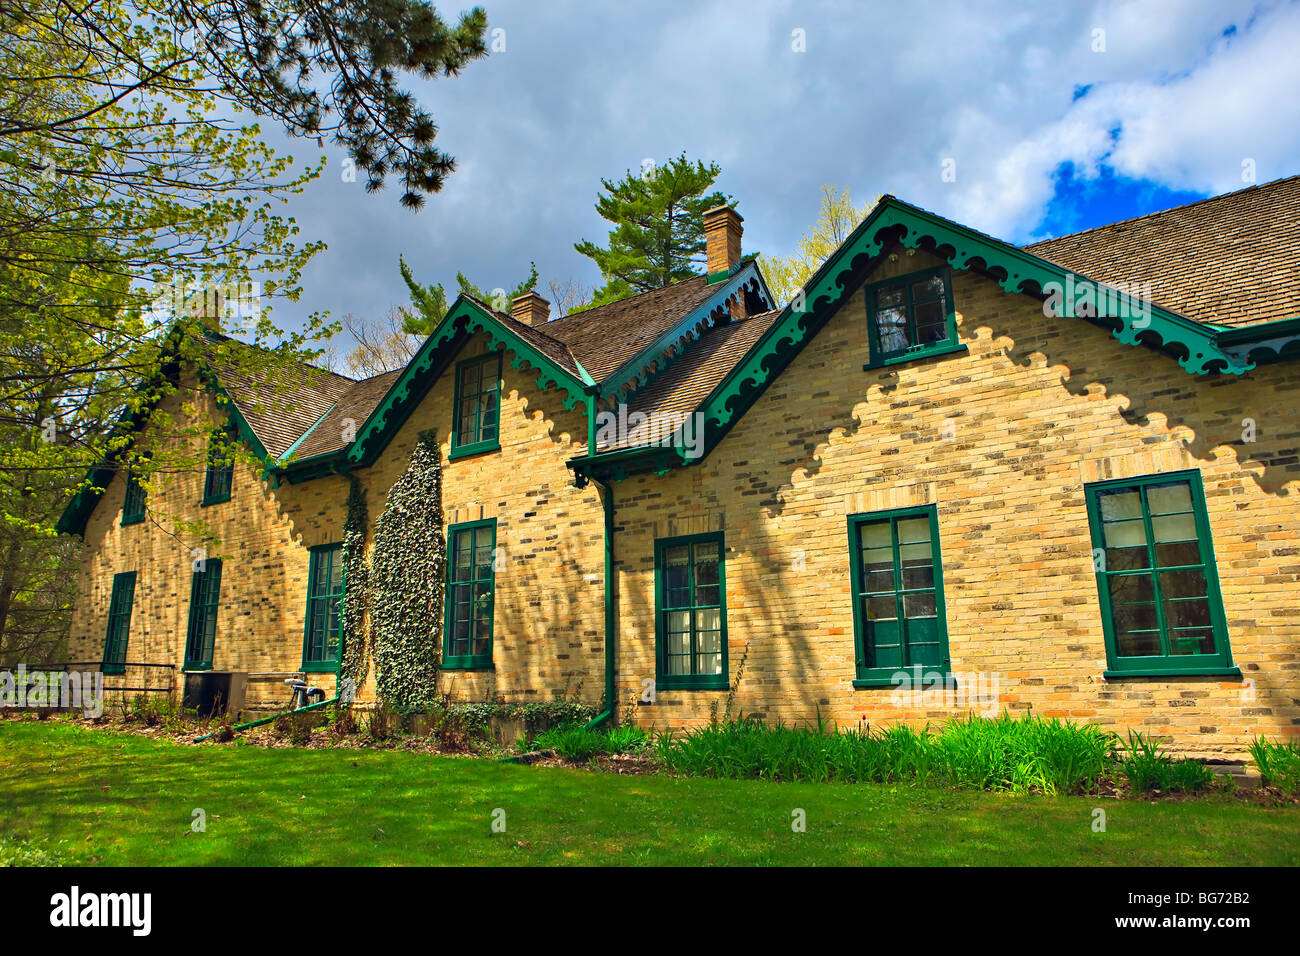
[[1055, 120]]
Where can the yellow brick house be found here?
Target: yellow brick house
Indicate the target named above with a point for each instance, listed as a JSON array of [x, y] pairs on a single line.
[[951, 475]]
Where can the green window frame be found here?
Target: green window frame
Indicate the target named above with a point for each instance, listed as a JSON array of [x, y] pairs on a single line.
[[220, 476], [323, 627], [476, 409], [119, 623], [470, 596], [133, 504], [201, 635], [691, 612], [900, 621], [910, 317], [1157, 579]]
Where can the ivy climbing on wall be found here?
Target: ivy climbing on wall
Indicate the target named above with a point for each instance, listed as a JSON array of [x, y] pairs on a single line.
[[356, 640], [406, 583]]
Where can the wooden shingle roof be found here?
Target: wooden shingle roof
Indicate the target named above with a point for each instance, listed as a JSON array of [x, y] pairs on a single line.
[[1232, 260]]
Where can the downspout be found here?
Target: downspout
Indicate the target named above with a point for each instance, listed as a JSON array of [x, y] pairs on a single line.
[[611, 610]]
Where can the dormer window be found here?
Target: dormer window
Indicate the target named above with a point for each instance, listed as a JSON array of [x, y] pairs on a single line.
[[911, 317]]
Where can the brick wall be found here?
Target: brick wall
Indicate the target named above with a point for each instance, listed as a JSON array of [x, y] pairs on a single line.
[[1037, 408], [549, 623]]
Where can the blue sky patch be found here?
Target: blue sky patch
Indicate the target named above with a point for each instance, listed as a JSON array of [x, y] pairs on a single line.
[[1080, 203]]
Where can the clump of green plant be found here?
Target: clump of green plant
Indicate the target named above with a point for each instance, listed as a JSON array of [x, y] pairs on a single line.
[[1278, 763], [1015, 754], [580, 743], [1144, 765], [1149, 769], [1024, 754]]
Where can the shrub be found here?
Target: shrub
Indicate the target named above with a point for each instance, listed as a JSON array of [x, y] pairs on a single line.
[[1278, 763], [381, 724]]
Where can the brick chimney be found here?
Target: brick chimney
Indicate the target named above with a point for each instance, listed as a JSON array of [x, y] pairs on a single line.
[[722, 231], [531, 309]]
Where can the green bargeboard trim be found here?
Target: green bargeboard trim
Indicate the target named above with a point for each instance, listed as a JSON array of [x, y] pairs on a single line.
[[468, 661], [654, 359], [467, 449], [77, 513], [328, 666], [950, 346], [690, 681], [465, 317], [196, 580], [869, 677], [1015, 270], [1165, 665], [123, 581]]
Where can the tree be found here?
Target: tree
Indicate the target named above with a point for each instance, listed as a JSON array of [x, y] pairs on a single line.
[[383, 344], [836, 219], [430, 304], [316, 67], [570, 296], [138, 203], [658, 234]]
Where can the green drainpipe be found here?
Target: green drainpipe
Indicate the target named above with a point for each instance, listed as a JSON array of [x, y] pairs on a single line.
[[611, 611]]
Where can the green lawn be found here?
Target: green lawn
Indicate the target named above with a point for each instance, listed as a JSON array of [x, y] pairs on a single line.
[[117, 799]]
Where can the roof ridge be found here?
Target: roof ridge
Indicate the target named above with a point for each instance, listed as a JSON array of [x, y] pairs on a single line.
[[210, 333], [1161, 212], [630, 298]]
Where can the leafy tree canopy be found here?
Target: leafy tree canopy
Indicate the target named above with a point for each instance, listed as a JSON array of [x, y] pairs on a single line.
[[429, 302], [658, 234], [837, 217]]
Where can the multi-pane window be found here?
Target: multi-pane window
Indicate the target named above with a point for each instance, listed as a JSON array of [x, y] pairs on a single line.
[[477, 405], [1156, 575], [205, 595], [134, 503], [911, 316], [898, 610], [467, 639], [119, 623], [324, 600], [691, 612], [221, 470]]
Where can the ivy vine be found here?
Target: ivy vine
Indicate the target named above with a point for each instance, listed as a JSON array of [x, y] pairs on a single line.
[[406, 585], [356, 642]]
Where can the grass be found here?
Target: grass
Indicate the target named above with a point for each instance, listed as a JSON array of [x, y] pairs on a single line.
[[84, 796]]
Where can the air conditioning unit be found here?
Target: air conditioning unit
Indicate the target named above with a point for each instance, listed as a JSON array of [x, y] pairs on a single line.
[[215, 692]]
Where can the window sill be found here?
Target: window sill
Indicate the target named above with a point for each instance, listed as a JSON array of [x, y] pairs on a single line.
[[190, 666], [112, 670], [127, 522], [468, 664], [712, 682], [319, 667], [1214, 671], [213, 501], [478, 448], [905, 678], [904, 357]]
